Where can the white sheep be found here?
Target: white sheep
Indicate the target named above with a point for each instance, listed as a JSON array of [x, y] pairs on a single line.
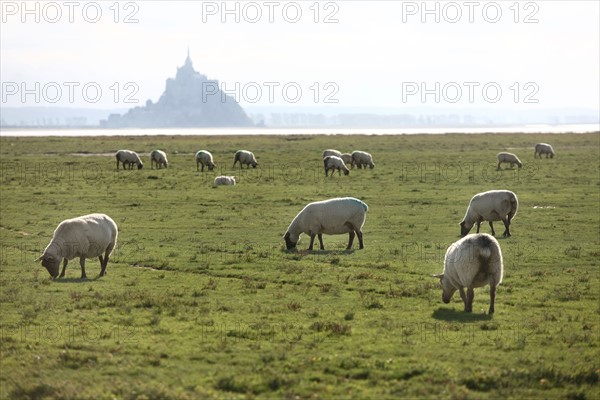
[[543, 148], [160, 158], [128, 158], [493, 205], [508, 158], [362, 158], [244, 157], [88, 236], [224, 180], [206, 159], [332, 163], [332, 217], [347, 158], [331, 152], [471, 262]]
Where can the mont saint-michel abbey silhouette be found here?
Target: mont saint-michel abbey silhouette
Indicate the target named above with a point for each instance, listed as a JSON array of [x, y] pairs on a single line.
[[189, 100]]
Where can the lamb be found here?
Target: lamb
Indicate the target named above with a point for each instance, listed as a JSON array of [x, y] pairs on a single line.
[[224, 180], [543, 148], [362, 158], [332, 163], [128, 158], [471, 262], [508, 158], [331, 152], [493, 205], [332, 217], [244, 157], [347, 158], [205, 158], [87, 236], [160, 158]]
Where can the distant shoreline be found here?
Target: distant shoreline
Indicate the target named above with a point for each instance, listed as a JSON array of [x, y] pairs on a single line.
[[524, 129]]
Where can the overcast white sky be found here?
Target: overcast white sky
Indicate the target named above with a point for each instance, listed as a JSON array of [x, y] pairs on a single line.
[[373, 54]]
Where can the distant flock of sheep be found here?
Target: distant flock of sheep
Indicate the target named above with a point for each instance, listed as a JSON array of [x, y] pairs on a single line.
[[512, 159], [332, 160], [471, 262]]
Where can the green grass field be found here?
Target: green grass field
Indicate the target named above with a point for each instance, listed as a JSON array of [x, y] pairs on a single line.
[[201, 301]]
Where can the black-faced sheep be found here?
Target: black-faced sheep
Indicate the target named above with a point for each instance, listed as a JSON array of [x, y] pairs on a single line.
[[88, 236], [331, 163], [159, 158], [128, 158], [473, 261], [204, 158], [244, 157], [508, 158], [543, 148], [493, 205], [362, 158], [332, 217]]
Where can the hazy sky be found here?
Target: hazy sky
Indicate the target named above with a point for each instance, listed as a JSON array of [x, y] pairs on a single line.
[[362, 54]]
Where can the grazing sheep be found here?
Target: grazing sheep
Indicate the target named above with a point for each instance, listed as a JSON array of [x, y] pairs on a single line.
[[508, 158], [361, 158], [128, 158], [331, 152], [347, 158], [244, 157], [543, 148], [87, 236], [160, 158], [332, 163], [205, 158], [473, 261], [224, 180], [493, 205], [332, 217]]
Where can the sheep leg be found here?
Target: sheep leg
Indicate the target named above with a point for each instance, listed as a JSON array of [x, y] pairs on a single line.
[[492, 227], [498, 169], [478, 225], [103, 264], [506, 226], [65, 262], [117, 165], [463, 296], [470, 297], [350, 239], [360, 240], [492, 295], [82, 263], [312, 241], [320, 236]]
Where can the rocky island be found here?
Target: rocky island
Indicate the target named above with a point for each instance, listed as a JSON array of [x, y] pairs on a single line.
[[190, 100]]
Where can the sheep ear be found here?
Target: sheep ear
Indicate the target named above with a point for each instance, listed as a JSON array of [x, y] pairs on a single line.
[[440, 276], [40, 258]]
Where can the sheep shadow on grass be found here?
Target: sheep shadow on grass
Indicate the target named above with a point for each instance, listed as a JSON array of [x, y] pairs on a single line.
[[450, 314], [77, 280]]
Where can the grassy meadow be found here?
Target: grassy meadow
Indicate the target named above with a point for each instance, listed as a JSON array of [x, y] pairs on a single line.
[[201, 301]]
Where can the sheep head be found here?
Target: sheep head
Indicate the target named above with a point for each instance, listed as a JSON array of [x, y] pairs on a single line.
[[51, 263], [140, 165], [447, 289], [464, 229], [289, 243]]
